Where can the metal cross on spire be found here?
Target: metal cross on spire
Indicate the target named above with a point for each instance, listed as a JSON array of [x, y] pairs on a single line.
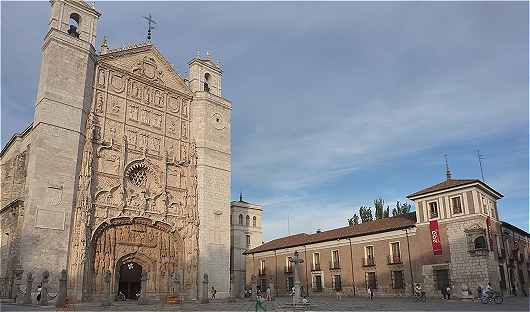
[[447, 170], [150, 25]]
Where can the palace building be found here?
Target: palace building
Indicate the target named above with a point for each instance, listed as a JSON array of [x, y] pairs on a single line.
[[454, 238], [125, 170]]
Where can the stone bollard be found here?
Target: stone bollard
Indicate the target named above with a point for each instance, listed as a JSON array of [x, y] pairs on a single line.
[[61, 295], [143, 295], [204, 292], [107, 300], [44, 290], [29, 286]]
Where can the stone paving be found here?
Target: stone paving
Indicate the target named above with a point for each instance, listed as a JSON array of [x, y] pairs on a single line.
[[279, 304]]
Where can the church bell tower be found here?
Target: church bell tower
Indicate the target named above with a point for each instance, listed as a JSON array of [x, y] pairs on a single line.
[[61, 108], [211, 132]]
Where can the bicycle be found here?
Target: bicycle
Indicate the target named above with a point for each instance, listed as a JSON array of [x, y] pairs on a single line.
[[420, 297], [492, 297]]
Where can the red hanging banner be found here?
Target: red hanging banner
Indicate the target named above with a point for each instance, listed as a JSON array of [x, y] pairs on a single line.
[[435, 238]]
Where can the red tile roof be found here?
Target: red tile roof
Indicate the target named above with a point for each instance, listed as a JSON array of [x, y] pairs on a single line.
[[453, 183], [377, 226]]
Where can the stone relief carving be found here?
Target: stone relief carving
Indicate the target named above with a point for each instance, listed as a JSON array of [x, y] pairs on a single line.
[[148, 69], [117, 82], [101, 77], [126, 206]]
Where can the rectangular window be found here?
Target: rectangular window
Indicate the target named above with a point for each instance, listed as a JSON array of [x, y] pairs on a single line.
[[337, 282], [262, 267], [248, 241], [335, 261], [316, 261], [397, 280], [433, 208], [370, 256], [370, 280], [288, 265], [456, 204], [395, 253]]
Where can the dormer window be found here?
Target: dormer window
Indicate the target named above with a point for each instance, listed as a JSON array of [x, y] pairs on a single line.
[[207, 82], [75, 21]]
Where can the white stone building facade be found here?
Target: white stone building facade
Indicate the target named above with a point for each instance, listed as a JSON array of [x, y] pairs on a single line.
[[126, 162]]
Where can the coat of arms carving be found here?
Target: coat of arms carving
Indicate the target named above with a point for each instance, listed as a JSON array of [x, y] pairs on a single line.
[[148, 68]]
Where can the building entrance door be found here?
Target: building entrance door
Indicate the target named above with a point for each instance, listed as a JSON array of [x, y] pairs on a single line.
[[130, 279], [442, 278]]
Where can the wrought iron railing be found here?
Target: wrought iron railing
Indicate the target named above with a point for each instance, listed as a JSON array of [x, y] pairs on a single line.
[[394, 260], [368, 261], [334, 265]]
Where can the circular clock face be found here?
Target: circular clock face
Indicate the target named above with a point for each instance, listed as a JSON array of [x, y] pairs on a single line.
[[218, 121]]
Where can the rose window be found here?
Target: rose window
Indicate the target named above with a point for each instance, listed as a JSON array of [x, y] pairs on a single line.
[[137, 176]]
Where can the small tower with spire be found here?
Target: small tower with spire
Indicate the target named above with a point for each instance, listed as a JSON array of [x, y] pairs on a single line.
[[104, 47]]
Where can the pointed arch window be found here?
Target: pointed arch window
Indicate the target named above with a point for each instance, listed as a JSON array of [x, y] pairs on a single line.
[[247, 223], [240, 219], [254, 221]]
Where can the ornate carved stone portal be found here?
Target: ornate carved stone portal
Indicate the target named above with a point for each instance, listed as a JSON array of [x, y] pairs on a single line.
[[137, 198]]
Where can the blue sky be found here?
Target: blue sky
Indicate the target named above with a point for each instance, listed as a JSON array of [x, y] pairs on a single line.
[[334, 104]]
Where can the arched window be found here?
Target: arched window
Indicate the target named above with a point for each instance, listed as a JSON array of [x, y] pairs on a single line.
[[247, 223], [254, 221], [75, 21], [240, 219], [480, 242], [207, 82]]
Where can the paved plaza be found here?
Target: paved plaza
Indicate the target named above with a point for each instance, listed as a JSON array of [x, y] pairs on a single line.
[[317, 304]]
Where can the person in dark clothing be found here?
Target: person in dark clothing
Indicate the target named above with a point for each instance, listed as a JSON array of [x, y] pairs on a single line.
[[444, 292], [39, 290]]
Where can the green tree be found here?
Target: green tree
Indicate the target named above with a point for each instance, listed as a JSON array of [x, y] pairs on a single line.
[[401, 209], [386, 213], [379, 205], [366, 214], [353, 220]]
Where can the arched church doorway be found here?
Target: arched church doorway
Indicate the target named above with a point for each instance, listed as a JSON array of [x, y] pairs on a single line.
[[130, 279]]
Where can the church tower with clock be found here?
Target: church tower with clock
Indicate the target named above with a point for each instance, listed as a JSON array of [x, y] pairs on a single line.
[[211, 128], [123, 179]]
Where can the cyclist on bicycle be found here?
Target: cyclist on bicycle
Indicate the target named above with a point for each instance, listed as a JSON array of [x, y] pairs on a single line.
[[418, 291]]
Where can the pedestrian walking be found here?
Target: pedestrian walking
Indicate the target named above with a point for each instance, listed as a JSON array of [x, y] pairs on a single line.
[[260, 304], [213, 292], [371, 293], [444, 292], [268, 294], [448, 292], [338, 293], [39, 291]]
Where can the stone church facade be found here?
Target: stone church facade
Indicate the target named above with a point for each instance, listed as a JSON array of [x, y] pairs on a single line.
[[126, 164]]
